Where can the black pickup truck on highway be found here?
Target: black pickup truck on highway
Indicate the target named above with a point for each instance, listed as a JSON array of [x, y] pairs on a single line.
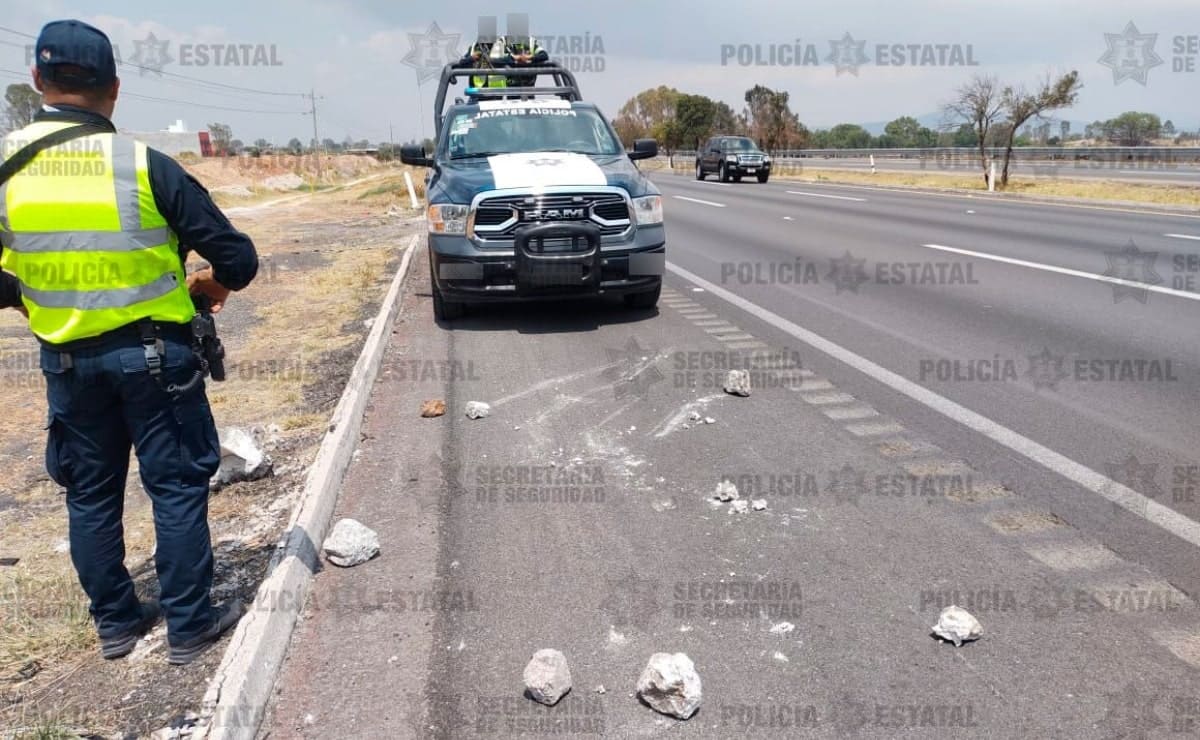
[[531, 195], [731, 158]]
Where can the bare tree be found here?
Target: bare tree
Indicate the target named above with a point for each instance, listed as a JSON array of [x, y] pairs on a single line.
[[1022, 105], [21, 104], [978, 103]]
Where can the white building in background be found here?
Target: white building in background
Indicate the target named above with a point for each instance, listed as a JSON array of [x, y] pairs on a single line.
[[174, 140]]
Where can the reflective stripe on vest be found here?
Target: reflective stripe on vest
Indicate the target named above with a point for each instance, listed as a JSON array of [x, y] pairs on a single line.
[[82, 234]]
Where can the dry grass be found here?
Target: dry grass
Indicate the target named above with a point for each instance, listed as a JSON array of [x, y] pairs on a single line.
[[1106, 190], [340, 245]]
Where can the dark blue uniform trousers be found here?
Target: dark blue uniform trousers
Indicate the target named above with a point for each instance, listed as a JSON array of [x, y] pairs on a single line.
[[102, 402]]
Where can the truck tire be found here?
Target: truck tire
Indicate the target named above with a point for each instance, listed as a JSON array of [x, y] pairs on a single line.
[[699, 170], [764, 176], [724, 173], [644, 300], [444, 310]]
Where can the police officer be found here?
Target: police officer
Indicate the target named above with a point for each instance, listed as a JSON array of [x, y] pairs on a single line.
[[486, 55], [525, 51], [92, 232]]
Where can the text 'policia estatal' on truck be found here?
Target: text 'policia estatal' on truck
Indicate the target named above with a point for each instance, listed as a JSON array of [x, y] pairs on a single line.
[[532, 195]]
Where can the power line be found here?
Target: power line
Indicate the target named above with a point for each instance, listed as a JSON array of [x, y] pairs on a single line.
[[154, 99], [177, 76]]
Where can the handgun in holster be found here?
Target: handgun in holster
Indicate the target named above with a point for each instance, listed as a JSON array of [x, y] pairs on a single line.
[[204, 336]]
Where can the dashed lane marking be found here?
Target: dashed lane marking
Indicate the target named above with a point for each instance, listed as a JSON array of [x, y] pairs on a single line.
[[1136, 503]]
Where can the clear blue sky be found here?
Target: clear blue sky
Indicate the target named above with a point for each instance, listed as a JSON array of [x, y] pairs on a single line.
[[353, 54]]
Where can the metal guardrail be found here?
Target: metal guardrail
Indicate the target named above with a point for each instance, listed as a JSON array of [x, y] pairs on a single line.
[[1042, 153]]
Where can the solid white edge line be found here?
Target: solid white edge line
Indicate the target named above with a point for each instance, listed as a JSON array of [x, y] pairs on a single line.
[[823, 195], [1129, 499], [1068, 271], [1183, 236], [697, 200]]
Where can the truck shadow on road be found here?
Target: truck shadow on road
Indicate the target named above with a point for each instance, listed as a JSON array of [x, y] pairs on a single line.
[[548, 317]]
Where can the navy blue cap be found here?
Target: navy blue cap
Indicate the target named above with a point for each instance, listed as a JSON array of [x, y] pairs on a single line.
[[72, 52]]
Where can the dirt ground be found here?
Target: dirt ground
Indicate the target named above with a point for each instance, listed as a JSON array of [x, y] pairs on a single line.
[[327, 257]]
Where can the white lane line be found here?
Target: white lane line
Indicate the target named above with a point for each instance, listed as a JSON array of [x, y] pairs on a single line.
[[1183, 236], [1068, 271], [697, 200], [1124, 496], [823, 195], [711, 182]]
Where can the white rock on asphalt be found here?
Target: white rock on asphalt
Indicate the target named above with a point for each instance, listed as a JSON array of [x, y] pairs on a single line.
[[694, 416], [478, 410], [709, 420], [782, 628], [350, 544], [726, 491], [670, 685], [957, 625], [739, 507], [759, 504], [737, 382], [547, 677], [241, 459]]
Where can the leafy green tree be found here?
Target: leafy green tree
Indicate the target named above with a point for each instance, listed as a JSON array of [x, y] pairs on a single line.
[[295, 146], [849, 136], [906, 132], [1132, 128], [694, 116]]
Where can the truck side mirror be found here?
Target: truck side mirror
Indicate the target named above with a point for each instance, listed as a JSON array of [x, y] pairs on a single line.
[[644, 149], [414, 154]]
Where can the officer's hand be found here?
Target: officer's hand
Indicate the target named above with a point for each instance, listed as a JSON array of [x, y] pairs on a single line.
[[202, 282]]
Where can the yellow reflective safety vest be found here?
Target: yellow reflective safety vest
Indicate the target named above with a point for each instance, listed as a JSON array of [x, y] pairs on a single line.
[[82, 234], [496, 54]]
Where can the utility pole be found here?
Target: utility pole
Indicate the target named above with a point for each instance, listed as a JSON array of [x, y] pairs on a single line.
[[312, 96], [391, 142]]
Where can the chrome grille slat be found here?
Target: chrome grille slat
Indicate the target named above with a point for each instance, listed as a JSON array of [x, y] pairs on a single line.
[[496, 216]]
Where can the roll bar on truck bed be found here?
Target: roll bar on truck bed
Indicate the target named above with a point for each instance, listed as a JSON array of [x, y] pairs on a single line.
[[564, 87]]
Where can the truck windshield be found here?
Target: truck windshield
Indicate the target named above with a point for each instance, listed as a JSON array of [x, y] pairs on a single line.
[[739, 145], [529, 126]]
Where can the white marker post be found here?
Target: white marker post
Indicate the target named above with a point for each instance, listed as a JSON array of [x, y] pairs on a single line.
[[872, 164], [992, 178], [412, 192]]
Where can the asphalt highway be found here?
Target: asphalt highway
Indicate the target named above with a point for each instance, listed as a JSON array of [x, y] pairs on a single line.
[[956, 400]]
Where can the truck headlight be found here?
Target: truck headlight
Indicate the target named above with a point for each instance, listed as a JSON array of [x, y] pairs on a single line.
[[447, 218], [732, 158], [766, 160], [648, 210]]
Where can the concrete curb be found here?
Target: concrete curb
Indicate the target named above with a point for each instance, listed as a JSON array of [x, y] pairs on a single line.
[[237, 696]]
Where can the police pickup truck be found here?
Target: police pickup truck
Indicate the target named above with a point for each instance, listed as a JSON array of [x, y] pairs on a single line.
[[532, 196]]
